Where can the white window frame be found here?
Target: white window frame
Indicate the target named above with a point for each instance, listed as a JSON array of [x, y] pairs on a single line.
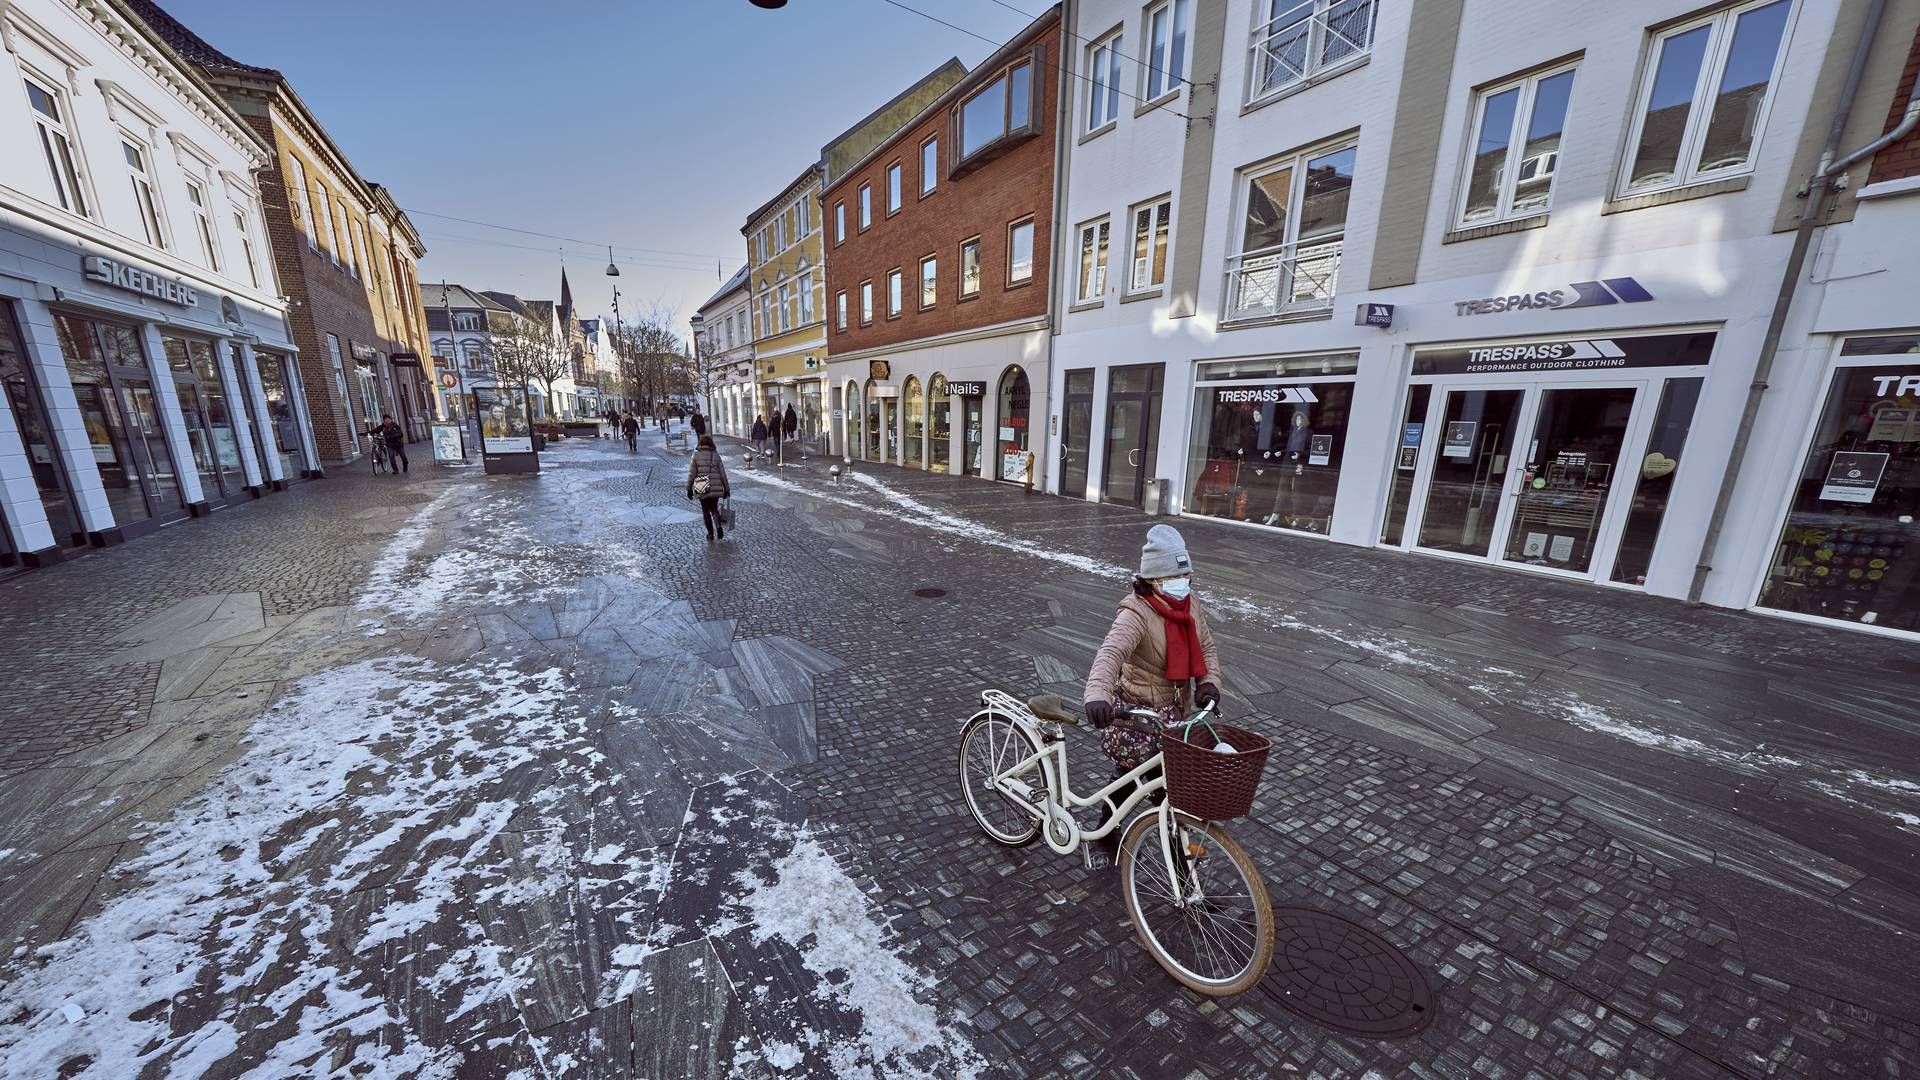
[[801, 224], [1686, 172], [896, 187], [1319, 33], [151, 212], [979, 270], [360, 248], [1529, 87], [242, 224], [896, 291], [203, 220], [1102, 252], [929, 262], [785, 299], [1149, 208], [1179, 24], [866, 303], [333, 238], [864, 219], [840, 221], [1103, 81], [840, 313], [306, 198], [806, 298], [58, 142], [1033, 255], [1286, 262], [929, 177]]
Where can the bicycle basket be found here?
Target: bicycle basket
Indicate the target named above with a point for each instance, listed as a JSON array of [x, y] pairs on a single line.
[[1208, 784]]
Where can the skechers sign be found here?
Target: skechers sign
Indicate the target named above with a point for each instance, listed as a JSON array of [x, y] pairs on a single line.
[[135, 280], [1567, 354], [1618, 290]]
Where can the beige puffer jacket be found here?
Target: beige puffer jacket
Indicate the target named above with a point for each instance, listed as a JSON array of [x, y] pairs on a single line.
[[1132, 662]]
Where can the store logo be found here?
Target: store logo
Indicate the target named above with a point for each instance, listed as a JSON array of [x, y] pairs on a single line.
[[1299, 395], [1620, 290], [1883, 385], [134, 280]]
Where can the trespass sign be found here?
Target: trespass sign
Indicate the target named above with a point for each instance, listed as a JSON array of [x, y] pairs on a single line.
[[1566, 354], [1579, 294], [1299, 395]]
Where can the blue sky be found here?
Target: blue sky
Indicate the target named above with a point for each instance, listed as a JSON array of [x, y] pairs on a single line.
[[652, 124]]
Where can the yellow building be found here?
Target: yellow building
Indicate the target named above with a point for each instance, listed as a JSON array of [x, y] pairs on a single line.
[[788, 282]]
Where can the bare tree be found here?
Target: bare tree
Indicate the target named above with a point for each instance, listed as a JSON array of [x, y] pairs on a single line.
[[529, 350], [654, 361]]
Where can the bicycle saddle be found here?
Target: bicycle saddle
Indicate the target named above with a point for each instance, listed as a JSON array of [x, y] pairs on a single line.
[[1051, 707]]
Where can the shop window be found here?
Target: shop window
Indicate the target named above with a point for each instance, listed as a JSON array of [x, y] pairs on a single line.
[[1516, 149], [36, 438], [1654, 485], [1015, 402], [871, 405], [1406, 460], [940, 416], [914, 418], [1293, 222], [1269, 452], [1705, 96], [1294, 41], [1093, 261], [1849, 549]]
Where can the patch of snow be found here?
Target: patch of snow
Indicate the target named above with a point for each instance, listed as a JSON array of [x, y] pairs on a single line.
[[783, 1056]]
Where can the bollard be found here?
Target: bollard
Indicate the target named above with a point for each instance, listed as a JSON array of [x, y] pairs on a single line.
[[835, 472]]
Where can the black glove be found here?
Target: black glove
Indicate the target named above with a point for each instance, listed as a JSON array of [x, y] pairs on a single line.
[[1099, 713], [1207, 694]]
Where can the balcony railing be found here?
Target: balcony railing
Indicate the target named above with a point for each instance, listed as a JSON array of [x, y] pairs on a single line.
[[1291, 279], [1304, 40]]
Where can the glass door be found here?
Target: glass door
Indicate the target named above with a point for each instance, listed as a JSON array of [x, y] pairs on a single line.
[[971, 450], [1076, 437], [149, 446], [1567, 476], [1475, 437], [1133, 432]]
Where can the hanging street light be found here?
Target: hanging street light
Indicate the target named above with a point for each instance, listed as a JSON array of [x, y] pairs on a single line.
[[612, 270]]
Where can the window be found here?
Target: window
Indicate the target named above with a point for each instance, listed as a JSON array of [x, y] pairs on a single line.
[[929, 281], [467, 320], [203, 223], [893, 188], [802, 221], [866, 302], [1297, 40], [144, 200], [1093, 261], [1291, 431], [1707, 88], [299, 174], [1293, 222], [970, 267], [246, 245], [1516, 148], [840, 222], [1103, 82], [929, 166], [63, 167], [1020, 252], [326, 214], [1166, 47], [780, 231], [357, 252], [806, 298], [1152, 224], [786, 306], [840, 309], [896, 284], [1001, 110], [766, 311], [866, 206]]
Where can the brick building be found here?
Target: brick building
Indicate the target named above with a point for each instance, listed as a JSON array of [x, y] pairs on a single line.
[[938, 271], [346, 255]]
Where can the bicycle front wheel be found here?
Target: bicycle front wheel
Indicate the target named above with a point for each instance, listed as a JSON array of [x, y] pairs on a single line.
[[989, 745], [1210, 924]]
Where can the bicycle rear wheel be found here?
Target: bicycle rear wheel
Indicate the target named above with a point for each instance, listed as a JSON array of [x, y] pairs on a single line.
[[1213, 928], [989, 744]]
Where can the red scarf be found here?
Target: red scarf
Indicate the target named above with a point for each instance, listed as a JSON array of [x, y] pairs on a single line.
[[1184, 660]]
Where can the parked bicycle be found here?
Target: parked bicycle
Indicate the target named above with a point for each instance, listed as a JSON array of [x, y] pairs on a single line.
[[1194, 897]]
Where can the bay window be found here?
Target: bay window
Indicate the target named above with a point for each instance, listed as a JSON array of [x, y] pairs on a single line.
[[1103, 82], [63, 168], [998, 113], [1294, 41], [1093, 261], [1293, 221], [1516, 149], [1705, 97]]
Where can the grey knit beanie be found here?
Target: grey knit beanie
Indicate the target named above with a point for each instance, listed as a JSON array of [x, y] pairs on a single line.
[[1165, 554]]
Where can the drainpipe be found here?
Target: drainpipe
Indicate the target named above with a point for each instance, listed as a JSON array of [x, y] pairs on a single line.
[[1818, 187]]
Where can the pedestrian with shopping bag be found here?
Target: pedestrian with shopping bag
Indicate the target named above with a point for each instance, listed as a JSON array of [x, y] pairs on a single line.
[[707, 481]]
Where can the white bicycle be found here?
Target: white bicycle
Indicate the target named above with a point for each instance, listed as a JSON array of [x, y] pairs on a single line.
[[1205, 919]]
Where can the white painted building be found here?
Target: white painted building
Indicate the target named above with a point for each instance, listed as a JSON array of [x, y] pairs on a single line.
[[1579, 218], [723, 339], [143, 340]]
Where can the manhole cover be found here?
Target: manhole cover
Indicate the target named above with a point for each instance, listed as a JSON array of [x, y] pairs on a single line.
[[1345, 976], [929, 593]]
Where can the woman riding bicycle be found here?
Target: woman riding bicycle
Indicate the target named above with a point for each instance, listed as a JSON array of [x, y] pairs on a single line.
[[1158, 645]]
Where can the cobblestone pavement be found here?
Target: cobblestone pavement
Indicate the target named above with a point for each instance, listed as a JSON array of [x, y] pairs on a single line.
[[522, 773]]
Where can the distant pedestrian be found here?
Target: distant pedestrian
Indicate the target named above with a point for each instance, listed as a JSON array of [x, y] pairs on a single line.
[[760, 433], [791, 425], [773, 431], [631, 429], [707, 481], [699, 423], [396, 440]]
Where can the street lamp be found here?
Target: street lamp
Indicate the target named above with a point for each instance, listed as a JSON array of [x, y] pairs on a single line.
[[770, 5], [612, 270]]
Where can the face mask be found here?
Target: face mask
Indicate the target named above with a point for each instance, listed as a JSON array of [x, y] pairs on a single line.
[[1176, 588]]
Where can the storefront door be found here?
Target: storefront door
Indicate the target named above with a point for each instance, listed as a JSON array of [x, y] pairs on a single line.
[[970, 445], [1076, 435], [36, 437], [1133, 432], [1530, 474], [112, 386]]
